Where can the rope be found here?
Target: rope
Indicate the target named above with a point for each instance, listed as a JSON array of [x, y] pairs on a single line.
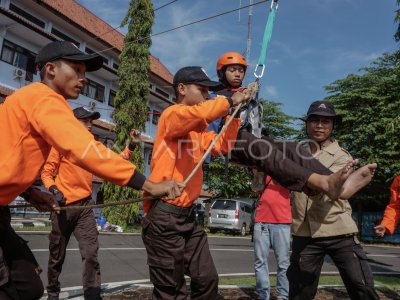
[[199, 164]]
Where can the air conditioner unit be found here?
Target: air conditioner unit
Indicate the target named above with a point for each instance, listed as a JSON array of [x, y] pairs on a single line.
[[19, 73]]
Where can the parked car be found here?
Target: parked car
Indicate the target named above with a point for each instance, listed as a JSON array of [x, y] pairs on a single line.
[[232, 215]]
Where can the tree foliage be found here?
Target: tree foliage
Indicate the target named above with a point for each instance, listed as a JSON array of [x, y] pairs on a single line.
[[234, 181], [276, 122], [370, 105], [132, 95]]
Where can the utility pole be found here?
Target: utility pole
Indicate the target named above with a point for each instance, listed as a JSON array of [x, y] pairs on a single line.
[[249, 21]]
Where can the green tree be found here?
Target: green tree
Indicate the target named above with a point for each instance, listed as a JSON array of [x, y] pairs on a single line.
[[132, 96], [276, 122], [235, 181], [370, 105]]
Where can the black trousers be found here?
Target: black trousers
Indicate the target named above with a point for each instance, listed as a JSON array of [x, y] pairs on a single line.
[[287, 162], [177, 246], [19, 270], [349, 257], [83, 225]]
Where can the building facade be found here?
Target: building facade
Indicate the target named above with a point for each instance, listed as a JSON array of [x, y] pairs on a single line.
[[28, 25]]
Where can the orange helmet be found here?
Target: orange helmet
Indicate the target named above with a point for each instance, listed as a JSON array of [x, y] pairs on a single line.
[[231, 58]]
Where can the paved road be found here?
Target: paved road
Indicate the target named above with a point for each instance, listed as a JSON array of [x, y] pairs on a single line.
[[123, 258]]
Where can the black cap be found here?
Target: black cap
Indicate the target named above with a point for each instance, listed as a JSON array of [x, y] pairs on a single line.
[[84, 112], [69, 51], [322, 108], [196, 75]]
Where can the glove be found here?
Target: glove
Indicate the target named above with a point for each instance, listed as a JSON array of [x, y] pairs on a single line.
[[40, 200], [58, 195]]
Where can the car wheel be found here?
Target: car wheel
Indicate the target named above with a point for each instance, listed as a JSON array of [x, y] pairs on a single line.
[[243, 230]]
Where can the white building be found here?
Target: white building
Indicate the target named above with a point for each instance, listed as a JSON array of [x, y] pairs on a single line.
[[27, 25]]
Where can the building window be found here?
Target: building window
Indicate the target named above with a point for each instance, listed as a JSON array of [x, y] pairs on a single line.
[[27, 16], [90, 51], [161, 92], [115, 66], [148, 113], [149, 155], [156, 116], [111, 98], [19, 57], [64, 37], [94, 90]]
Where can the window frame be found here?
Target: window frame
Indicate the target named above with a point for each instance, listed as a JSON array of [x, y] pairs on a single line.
[[109, 98], [31, 18], [93, 84], [29, 65]]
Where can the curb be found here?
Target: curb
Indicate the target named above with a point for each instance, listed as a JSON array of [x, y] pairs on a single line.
[[17, 223]]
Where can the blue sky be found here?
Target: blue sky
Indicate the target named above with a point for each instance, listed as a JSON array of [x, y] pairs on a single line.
[[314, 43]]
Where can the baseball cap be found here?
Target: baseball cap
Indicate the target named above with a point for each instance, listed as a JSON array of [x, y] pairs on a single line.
[[84, 112], [69, 51], [196, 75], [322, 108]]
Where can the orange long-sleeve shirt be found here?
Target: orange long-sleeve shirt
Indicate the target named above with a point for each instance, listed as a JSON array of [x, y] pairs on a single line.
[[73, 181], [181, 142], [391, 216], [33, 119]]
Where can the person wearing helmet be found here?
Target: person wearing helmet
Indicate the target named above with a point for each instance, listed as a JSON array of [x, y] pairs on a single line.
[[231, 68], [290, 165]]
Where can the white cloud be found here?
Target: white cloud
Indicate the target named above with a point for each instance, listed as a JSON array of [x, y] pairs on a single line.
[[271, 92]]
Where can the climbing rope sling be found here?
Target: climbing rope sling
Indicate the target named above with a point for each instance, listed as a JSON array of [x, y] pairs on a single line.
[[253, 117]]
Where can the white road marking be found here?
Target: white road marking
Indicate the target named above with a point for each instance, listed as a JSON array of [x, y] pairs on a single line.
[[212, 249]]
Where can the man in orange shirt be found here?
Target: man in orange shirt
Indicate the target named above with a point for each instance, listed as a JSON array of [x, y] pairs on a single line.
[[175, 244], [32, 120], [391, 216], [71, 186]]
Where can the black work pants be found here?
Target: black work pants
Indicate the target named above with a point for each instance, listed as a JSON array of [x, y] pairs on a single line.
[[177, 246], [83, 225], [19, 270], [289, 163], [349, 257]]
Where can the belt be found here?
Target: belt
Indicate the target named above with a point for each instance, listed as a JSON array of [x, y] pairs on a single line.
[[174, 209], [80, 202]]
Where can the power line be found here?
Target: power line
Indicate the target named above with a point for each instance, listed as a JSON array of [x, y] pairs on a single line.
[[188, 24], [119, 26], [162, 6]]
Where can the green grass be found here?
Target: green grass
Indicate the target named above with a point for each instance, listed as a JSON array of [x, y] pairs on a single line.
[[386, 281]]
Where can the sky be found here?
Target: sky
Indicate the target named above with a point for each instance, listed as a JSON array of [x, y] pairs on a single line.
[[314, 42]]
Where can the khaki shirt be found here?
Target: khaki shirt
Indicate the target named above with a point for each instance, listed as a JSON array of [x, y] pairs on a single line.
[[319, 216]]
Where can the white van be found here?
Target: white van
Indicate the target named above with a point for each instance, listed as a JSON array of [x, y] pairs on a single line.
[[231, 214]]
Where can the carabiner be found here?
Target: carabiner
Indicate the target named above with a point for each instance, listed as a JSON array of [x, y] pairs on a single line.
[[272, 4], [262, 71]]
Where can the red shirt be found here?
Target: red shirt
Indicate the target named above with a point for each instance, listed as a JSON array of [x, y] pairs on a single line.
[[274, 204]]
